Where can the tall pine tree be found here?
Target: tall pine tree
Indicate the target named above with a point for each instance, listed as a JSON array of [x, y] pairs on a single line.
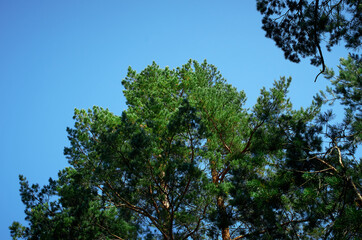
[[188, 160]]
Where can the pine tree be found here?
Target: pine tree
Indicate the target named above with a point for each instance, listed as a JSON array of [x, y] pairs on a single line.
[[188, 160], [299, 27]]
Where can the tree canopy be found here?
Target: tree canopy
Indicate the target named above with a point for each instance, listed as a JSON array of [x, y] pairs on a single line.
[[188, 160], [301, 27]]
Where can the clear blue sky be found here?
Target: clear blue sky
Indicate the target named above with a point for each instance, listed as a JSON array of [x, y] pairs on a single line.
[[59, 55]]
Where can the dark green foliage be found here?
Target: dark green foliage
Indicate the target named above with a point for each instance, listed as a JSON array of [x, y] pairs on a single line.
[[187, 160], [67, 210], [299, 27]]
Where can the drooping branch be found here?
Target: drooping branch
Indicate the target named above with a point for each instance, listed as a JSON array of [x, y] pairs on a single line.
[[316, 40], [322, 61]]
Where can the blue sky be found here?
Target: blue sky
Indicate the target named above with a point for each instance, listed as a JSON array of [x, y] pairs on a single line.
[[59, 55]]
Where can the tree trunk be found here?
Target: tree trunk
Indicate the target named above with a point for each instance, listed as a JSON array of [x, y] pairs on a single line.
[[225, 231]]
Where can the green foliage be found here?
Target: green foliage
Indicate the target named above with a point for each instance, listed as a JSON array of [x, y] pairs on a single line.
[[187, 160], [65, 209], [298, 27]]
